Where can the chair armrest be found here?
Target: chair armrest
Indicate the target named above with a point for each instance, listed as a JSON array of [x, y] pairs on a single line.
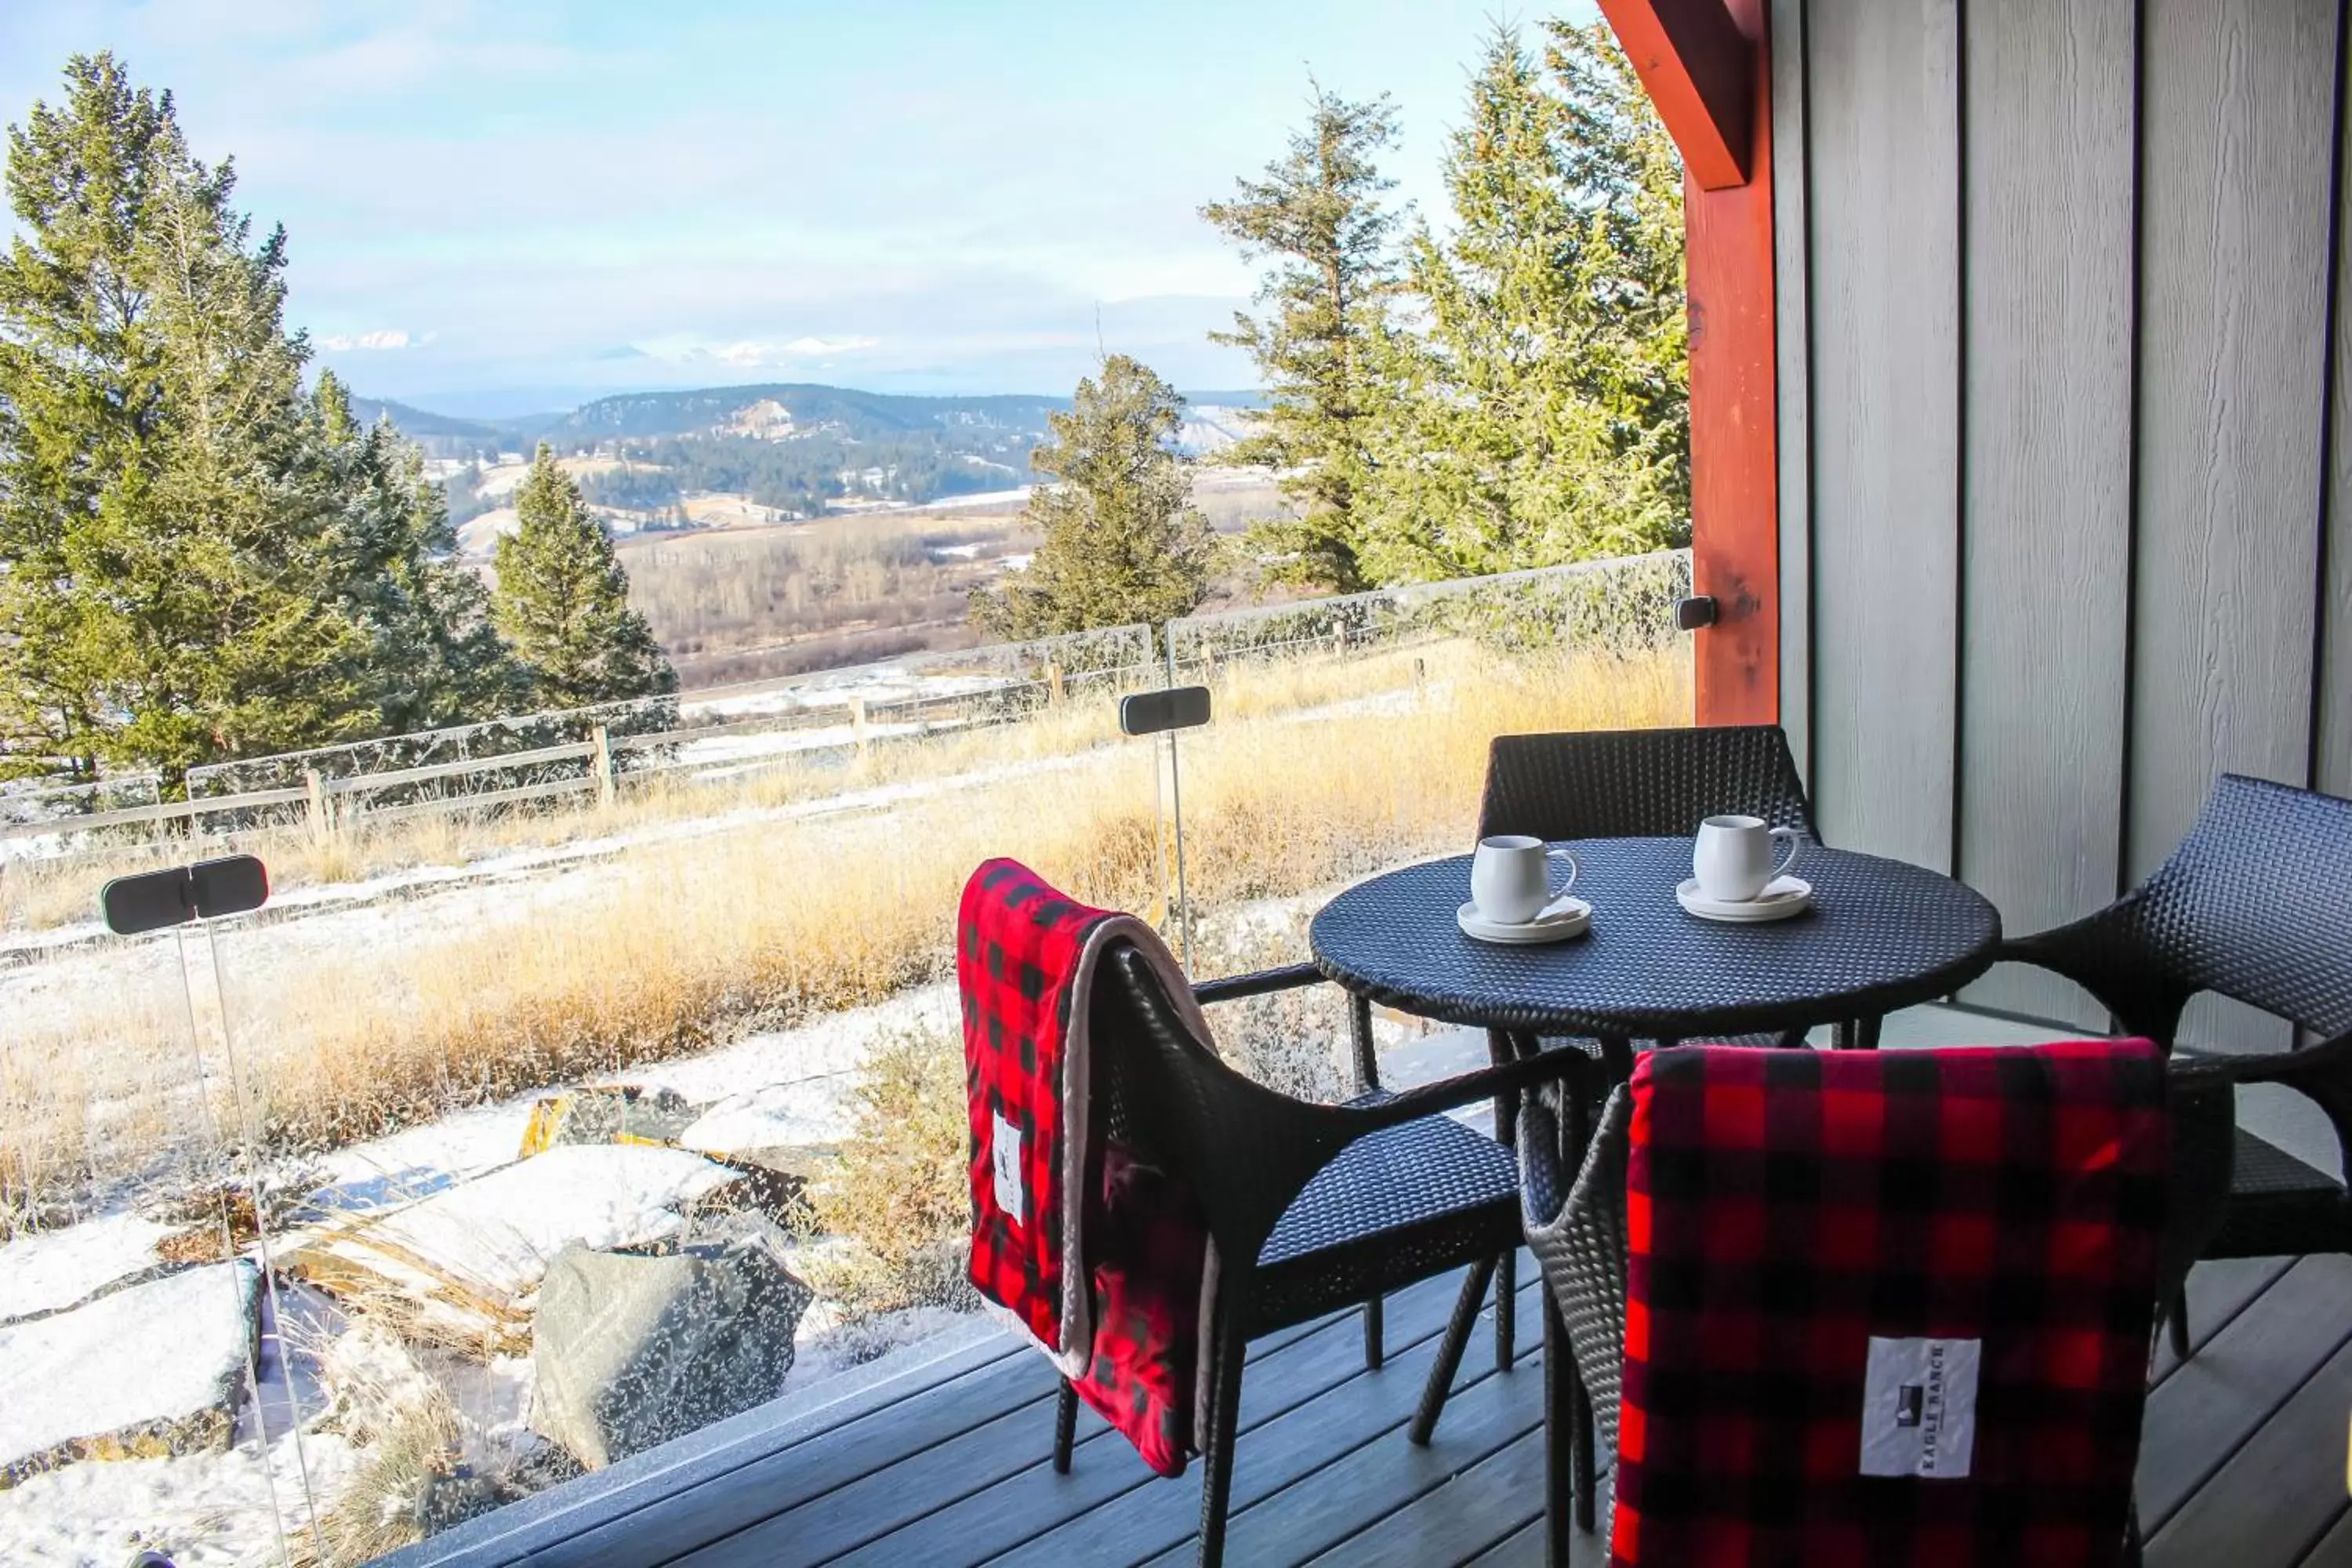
[[2297, 1069], [1464, 1088], [1259, 983], [2101, 954]]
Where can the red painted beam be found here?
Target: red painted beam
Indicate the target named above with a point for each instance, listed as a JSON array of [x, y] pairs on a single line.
[[1699, 65], [1734, 409]]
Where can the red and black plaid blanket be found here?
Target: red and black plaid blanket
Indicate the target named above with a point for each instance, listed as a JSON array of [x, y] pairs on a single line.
[[1888, 1307], [1046, 1188]]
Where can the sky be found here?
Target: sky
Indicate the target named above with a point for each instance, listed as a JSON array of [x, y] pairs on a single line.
[[497, 207]]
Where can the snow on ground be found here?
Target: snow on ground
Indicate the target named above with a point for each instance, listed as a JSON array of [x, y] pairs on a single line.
[[55, 1269], [422, 1161], [827, 1048], [202, 1511], [156, 1353], [498, 1232], [1017, 497]]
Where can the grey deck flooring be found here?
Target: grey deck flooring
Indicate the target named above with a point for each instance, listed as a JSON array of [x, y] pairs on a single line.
[[2243, 1462], [2243, 1455]]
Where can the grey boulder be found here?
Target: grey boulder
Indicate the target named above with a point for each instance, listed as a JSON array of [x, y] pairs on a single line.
[[631, 1347]]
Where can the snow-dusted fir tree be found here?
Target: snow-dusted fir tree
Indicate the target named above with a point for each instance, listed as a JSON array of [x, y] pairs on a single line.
[[1122, 542], [562, 600]]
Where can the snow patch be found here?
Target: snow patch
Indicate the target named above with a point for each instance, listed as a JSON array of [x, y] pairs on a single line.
[[157, 1353], [56, 1268], [497, 1235]]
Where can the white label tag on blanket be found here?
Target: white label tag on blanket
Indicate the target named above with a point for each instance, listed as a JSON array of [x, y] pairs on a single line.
[[1919, 1409], [1005, 1157]]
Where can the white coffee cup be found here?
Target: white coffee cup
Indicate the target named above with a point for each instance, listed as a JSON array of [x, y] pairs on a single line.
[[1510, 878], [1733, 857]]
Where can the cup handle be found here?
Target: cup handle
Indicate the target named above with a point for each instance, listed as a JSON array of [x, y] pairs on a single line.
[[1796, 842], [1573, 872]]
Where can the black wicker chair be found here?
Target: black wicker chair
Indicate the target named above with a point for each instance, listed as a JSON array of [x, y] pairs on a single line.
[[1636, 783], [1313, 1208], [2251, 906], [1640, 783], [1572, 1176]]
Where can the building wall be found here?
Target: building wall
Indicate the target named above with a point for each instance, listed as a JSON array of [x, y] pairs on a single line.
[[2066, 511]]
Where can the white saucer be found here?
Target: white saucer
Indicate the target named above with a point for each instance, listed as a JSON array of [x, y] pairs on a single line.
[[1782, 897], [1557, 922]]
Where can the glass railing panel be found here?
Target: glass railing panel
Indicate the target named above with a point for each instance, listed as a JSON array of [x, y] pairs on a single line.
[[1351, 735], [649, 1005], [147, 1372]]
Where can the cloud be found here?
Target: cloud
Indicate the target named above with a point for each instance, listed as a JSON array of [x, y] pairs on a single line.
[[384, 338], [751, 354], [831, 346]]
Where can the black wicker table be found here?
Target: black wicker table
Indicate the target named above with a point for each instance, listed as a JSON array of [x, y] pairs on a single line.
[[1881, 935]]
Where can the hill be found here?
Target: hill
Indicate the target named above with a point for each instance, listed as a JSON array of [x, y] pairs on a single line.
[[787, 449], [419, 423], [782, 411]]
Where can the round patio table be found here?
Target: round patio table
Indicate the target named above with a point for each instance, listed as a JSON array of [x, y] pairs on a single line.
[[1881, 935]]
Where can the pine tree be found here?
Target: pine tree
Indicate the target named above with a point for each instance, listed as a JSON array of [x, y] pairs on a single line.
[[1317, 216], [1540, 413], [169, 584], [1122, 542], [562, 600], [198, 560], [436, 659]]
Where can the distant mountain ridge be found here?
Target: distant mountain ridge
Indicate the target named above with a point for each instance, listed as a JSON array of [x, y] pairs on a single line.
[[418, 423], [858, 415], [715, 409], [798, 446]]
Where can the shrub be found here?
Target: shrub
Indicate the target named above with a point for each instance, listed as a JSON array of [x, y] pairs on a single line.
[[899, 1199]]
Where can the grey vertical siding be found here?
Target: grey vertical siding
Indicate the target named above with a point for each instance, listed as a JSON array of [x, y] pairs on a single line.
[[1792, 375], [2331, 762], [2069, 284], [2047, 521], [2234, 201], [1882, 119], [2239, 100]]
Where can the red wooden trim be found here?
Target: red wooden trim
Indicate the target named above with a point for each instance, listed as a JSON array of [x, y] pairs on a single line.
[[1699, 63], [1735, 418]]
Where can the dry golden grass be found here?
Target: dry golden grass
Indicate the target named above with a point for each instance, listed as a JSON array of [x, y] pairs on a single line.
[[1309, 777], [900, 1196]]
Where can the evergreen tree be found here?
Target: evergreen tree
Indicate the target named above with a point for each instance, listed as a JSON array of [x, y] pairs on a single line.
[[169, 584], [1541, 413], [198, 560], [562, 600], [436, 659], [1122, 542], [1317, 216]]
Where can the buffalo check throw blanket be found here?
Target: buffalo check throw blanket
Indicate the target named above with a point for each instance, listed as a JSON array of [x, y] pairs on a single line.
[[1048, 1191], [1888, 1307]]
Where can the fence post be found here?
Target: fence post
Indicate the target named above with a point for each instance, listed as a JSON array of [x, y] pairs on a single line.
[[1053, 690], [857, 723], [608, 783], [321, 810]]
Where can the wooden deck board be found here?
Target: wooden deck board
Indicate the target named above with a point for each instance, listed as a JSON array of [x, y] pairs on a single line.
[[2334, 1548], [1383, 1472], [2242, 1460], [1294, 1448], [2204, 1414], [1103, 1471], [2282, 1492]]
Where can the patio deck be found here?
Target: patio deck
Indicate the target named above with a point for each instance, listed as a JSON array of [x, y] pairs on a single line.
[[2244, 1454]]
